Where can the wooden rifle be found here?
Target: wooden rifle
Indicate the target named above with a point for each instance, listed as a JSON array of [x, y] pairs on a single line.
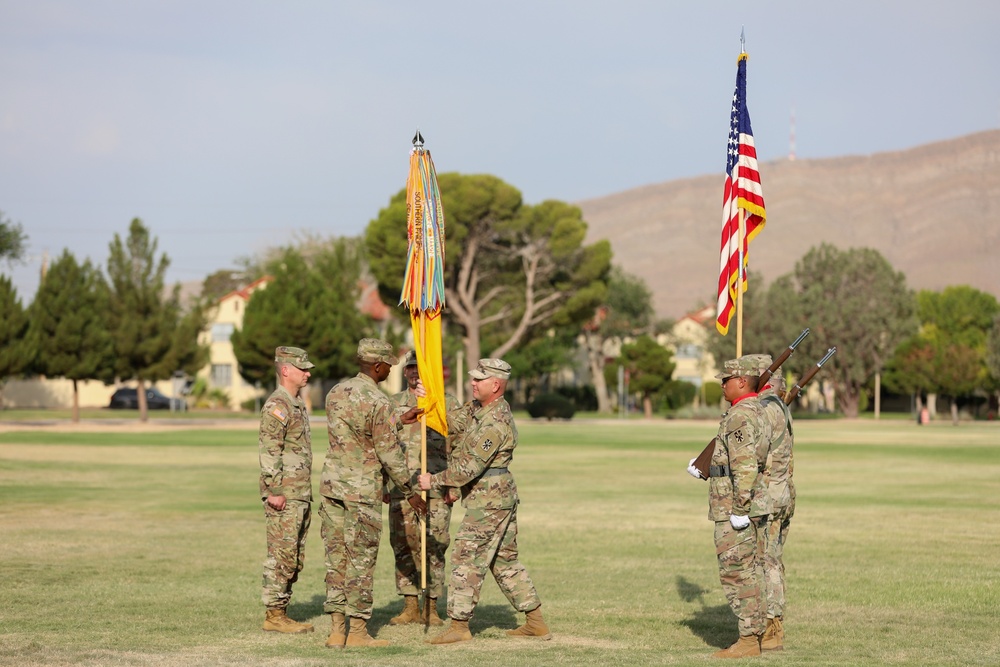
[[794, 391]]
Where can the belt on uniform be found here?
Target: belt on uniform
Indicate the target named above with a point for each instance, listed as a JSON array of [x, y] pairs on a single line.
[[718, 471], [494, 471]]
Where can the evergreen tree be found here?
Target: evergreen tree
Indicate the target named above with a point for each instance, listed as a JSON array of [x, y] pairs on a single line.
[[15, 350], [69, 328], [650, 366], [312, 304], [152, 337], [12, 239]]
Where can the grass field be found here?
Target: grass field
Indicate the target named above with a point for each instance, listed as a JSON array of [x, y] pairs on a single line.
[[135, 545]]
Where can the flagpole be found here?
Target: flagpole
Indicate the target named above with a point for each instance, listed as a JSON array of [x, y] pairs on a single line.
[[739, 289], [423, 494]]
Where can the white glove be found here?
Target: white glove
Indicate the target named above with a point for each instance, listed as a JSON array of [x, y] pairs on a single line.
[[692, 470], [739, 522]]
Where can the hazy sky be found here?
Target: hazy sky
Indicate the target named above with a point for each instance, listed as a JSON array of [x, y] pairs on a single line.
[[228, 126]]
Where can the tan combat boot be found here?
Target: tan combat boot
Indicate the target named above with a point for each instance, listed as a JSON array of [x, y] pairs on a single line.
[[458, 631], [744, 647], [429, 613], [277, 621], [410, 613], [358, 636], [338, 631], [534, 626], [774, 636]]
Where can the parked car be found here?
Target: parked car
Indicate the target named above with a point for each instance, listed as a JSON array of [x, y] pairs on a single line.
[[128, 399]]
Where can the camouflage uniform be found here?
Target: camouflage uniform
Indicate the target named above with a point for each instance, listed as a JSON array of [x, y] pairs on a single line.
[[404, 523], [285, 469], [487, 538], [780, 466], [737, 486], [362, 423]]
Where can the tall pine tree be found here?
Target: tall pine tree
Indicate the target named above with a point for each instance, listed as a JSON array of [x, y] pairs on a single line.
[[152, 337], [69, 327], [15, 350]]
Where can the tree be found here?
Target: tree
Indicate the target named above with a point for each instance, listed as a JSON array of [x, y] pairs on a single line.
[[993, 363], [12, 239], [533, 364], [221, 283], [69, 328], [650, 366], [15, 350], [152, 337], [910, 370], [852, 299], [511, 271], [956, 373], [313, 306], [958, 314], [627, 311], [955, 327]]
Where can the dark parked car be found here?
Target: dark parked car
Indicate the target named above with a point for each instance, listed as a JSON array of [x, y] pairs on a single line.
[[128, 399]]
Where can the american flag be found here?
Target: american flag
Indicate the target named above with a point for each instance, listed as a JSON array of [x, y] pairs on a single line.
[[742, 192]]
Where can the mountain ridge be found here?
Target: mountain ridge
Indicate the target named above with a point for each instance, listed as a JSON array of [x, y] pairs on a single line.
[[932, 210]]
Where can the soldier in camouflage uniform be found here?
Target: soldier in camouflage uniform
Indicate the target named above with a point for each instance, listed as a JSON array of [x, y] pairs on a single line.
[[739, 503], [487, 539], [780, 466], [285, 485], [404, 523], [362, 424]]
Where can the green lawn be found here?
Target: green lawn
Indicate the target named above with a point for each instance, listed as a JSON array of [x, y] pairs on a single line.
[[144, 548]]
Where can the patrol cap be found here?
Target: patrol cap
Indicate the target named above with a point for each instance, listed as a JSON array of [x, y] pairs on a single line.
[[764, 362], [745, 366], [295, 356], [495, 368], [373, 349], [411, 359]]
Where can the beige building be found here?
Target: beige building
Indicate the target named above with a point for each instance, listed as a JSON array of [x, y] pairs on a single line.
[[222, 370], [687, 340]]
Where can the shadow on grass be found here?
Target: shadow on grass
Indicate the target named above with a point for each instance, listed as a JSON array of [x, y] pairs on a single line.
[[715, 625], [298, 610], [493, 616], [486, 616]]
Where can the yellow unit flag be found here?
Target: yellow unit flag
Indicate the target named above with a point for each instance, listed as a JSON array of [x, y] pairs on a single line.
[[427, 347]]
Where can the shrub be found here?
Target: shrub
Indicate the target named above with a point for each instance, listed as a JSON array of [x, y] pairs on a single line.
[[551, 406], [713, 393], [677, 393], [584, 397], [203, 397]]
